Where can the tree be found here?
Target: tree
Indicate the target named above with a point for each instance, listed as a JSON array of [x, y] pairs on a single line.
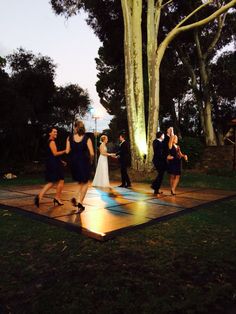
[[141, 136], [156, 48], [197, 49], [69, 101]]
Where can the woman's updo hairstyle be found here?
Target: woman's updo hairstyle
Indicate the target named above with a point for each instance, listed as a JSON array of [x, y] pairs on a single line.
[[79, 127], [102, 138]]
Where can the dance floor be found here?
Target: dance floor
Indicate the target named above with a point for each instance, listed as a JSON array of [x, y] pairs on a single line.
[[109, 212]]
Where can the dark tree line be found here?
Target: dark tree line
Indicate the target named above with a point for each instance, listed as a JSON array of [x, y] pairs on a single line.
[[30, 103]]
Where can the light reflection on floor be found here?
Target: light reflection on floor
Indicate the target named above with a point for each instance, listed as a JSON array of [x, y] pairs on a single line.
[[109, 211]]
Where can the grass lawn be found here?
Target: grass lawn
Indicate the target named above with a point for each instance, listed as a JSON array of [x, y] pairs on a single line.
[[183, 266]]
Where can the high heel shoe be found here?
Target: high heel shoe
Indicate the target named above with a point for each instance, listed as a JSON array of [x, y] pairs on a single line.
[[56, 202], [36, 201], [74, 202], [80, 207], [172, 193]]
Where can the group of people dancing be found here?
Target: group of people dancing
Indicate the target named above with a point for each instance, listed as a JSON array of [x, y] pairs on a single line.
[[167, 158], [81, 151]]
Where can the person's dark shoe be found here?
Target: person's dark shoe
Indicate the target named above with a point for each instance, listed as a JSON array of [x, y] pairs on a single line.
[[157, 192], [73, 202], [57, 202], [128, 186], [172, 193], [36, 201], [81, 208]]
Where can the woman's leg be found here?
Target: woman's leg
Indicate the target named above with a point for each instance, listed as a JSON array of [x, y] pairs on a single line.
[[47, 187], [83, 191], [171, 181], [175, 183], [60, 186]]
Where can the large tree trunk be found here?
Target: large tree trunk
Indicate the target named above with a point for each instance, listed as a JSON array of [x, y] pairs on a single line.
[[153, 22], [134, 81]]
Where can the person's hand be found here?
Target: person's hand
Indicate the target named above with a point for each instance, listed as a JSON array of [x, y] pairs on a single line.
[[169, 157], [185, 157]]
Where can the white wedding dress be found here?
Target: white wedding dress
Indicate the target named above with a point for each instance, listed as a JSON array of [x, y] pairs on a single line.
[[101, 178]]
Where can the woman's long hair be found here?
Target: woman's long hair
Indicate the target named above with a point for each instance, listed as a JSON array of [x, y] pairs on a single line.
[[79, 127]]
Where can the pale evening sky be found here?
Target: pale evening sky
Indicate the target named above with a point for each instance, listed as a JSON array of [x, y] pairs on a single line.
[[32, 25]]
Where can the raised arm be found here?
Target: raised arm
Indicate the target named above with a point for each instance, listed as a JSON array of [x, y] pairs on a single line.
[[171, 140]]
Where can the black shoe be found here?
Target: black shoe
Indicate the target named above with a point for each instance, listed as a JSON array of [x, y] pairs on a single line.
[[157, 192], [172, 193], [56, 202], [36, 201], [81, 208], [128, 186], [73, 202]]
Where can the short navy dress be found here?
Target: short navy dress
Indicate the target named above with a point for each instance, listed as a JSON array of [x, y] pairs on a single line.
[[174, 165], [54, 167], [80, 160]]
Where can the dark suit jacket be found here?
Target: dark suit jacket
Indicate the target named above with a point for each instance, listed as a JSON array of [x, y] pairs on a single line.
[[123, 154], [159, 157], [166, 145]]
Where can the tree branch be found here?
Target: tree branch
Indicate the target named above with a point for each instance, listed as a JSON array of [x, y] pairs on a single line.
[[192, 13], [221, 21], [210, 18], [163, 5]]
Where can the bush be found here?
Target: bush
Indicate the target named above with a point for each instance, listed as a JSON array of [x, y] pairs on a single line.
[[193, 147]]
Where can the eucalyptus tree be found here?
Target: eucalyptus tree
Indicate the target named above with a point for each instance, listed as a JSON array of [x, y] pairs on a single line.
[[156, 48], [197, 49], [142, 133]]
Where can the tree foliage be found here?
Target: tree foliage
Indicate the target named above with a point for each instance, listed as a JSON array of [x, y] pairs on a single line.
[[31, 102]]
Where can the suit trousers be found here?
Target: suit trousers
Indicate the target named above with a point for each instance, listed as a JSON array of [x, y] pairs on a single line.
[[124, 175], [156, 184]]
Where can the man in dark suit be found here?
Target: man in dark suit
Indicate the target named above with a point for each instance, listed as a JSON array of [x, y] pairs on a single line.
[[161, 151], [159, 161], [124, 157]]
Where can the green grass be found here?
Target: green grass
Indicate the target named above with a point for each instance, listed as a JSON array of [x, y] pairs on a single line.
[[186, 265]]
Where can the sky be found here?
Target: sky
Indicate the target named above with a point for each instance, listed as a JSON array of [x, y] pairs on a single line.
[[72, 45]]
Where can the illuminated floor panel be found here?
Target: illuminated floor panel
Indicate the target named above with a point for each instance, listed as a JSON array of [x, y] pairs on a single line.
[[110, 211]]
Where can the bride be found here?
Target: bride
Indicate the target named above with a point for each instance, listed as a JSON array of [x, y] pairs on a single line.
[[101, 177]]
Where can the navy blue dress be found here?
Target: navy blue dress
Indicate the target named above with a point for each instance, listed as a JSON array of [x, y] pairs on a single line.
[[54, 167], [80, 160], [174, 165]]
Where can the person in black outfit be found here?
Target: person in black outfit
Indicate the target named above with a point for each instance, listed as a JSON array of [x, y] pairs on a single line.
[[54, 170], [174, 163], [159, 161], [123, 156], [81, 152], [161, 151]]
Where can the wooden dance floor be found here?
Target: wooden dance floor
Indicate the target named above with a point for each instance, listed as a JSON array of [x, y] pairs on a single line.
[[109, 212]]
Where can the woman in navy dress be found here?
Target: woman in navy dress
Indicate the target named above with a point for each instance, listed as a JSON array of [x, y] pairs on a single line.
[[81, 152], [54, 170], [174, 162]]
